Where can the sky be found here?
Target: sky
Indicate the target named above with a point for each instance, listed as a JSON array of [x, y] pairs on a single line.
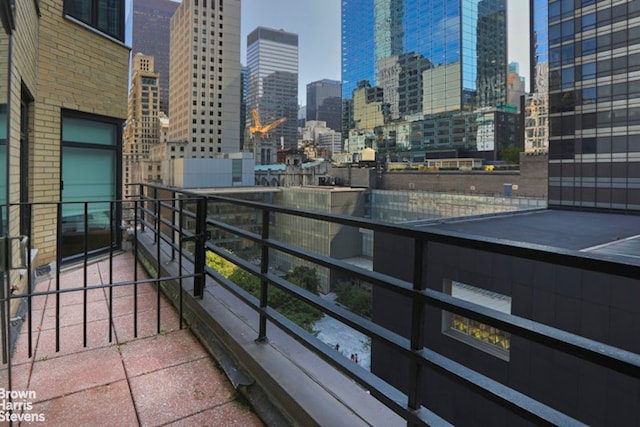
[[317, 23]]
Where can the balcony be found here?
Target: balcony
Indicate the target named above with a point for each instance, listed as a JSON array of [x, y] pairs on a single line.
[[112, 353], [285, 372]]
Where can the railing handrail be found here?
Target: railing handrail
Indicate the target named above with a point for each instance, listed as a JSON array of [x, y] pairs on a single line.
[[621, 360], [553, 255]]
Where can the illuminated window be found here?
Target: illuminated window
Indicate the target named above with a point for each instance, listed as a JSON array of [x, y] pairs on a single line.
[[484, 337]]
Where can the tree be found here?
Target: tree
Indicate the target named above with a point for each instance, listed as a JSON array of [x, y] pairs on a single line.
[[355, 298], [510, 153], [305, 277], [294, 309]]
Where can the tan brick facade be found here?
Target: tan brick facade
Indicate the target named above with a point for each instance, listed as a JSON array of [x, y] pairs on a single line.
[[63, 65]]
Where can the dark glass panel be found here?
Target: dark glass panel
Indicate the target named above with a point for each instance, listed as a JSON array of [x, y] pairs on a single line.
[[588, 46], [588, 95], [619, 144], [588, 21], [589, 121], [588, 146], [604, 42]]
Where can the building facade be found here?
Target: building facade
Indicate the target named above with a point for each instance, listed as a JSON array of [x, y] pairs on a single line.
[[142, 130], [272, 61], [425, 57], [536, 114], [151, 28], [204, 91], [324, 100], [594, 105], [58, 140], [590, 304]]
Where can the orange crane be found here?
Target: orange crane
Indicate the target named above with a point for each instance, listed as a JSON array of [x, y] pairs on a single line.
[[262, 130]]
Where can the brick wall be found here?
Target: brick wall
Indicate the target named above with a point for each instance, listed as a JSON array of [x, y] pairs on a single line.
[[531, 180], [64, 65]]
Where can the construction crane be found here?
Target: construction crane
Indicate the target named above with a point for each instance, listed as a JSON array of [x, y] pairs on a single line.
[[262, 130]]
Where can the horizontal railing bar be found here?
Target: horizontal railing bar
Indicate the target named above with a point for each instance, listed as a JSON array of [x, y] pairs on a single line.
[[388, 282], [528, 407], [590, 350], [567, 342], [91, 287], [381, 390], [571, 344], [524, 405], [589, 261]]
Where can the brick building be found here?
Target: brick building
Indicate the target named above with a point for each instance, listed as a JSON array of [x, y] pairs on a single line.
[[63, 97]]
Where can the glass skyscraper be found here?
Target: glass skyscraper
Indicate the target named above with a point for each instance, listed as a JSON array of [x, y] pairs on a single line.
[[594, 104], [428, 57], [323, 102]]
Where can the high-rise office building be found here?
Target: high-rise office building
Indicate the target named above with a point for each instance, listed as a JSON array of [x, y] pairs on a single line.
[[272, 60], [142, 130], [429, 57], [151, 19], [205, 77], [324, 100], [594, 105]]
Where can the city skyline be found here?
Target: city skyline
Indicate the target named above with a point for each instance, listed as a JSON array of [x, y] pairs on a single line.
[[318, 27]]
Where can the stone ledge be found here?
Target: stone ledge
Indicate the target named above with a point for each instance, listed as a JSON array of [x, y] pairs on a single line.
[[286, 383]]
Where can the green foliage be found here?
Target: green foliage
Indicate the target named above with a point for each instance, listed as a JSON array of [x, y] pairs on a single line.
[[221, 265], [511, 154], [295, 310], [355, 298], [305, 277]]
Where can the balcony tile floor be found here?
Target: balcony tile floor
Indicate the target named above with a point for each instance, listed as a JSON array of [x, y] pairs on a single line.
[[154, 379]]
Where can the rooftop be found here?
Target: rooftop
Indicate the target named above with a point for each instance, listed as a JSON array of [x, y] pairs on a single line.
[[564, 229]]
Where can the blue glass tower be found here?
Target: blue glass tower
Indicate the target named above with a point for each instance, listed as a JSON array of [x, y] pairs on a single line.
[[428, 56]]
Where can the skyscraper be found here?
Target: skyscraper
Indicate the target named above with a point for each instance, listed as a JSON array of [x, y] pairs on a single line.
[[594, 105], [429, 57], [142, 130], [323, 102], [205, 77], [272, 61], [151, 19]]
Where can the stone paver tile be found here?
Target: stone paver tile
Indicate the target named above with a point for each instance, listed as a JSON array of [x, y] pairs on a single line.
[[38, 302], [94, 294], [109, 404], [120, 291], [21, 347], [147, 301], [161, 351], [147, 324], [19, 377], [58, 376], [74, 277], [173, 393], [122, 272], [72, 339], [74, 314], [232, 414]]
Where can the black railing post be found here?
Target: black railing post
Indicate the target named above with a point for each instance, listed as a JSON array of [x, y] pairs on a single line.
[[173, 223], [417, 327], [141, 197], [156, 216], [199, 252], [264, 285]]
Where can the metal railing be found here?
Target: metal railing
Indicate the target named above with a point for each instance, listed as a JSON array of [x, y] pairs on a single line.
[[163, 211], [85, 250]]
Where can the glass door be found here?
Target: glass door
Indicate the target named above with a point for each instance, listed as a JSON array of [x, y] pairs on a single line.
[[90, 184]]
